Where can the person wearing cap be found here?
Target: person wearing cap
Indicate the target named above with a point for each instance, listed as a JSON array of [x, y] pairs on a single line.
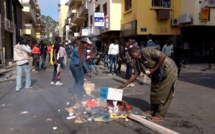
[[78, 61]]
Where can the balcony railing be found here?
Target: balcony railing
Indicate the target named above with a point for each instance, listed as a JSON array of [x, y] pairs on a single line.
[[29, 30], [74, 18], [71, 11], [83, 8]]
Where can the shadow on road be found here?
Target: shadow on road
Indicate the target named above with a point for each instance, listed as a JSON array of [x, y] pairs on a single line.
[[202, 79], [136, 102]]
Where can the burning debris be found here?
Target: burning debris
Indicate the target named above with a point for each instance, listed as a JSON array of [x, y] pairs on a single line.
[[109, 106]]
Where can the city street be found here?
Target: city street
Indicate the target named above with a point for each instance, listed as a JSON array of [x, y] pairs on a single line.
[[38, 110]]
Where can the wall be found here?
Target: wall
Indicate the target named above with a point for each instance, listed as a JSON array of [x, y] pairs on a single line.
[[195, 11], [114, 11], [146, 17], [62, 17]]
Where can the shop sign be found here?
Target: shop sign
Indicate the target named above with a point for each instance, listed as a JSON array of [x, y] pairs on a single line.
[[205, 14], [129, 29], [99, 19]]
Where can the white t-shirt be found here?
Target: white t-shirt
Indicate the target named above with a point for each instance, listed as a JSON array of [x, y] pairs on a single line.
[[168, 50], [113, 49]]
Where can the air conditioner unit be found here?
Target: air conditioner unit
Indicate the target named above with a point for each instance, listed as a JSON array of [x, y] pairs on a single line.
[[174, 22], [7, 24]]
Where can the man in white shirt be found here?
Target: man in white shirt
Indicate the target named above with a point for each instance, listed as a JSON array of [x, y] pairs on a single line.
[[168, 49], [113, 54], [21, 56]]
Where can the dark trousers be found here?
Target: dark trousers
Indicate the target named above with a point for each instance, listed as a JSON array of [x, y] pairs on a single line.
[[78, 86], [36, 62], [56, 73], [43, 58], [128, 71], [119, 66]]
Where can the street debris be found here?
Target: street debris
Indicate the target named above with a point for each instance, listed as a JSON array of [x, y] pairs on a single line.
[[2, 105], [58, 110], [48, 119], [67, 103], [71, 117], [24, 112], [109, 106], [54, 128]]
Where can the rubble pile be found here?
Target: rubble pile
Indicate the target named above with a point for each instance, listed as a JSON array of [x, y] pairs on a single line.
[[109, 106]]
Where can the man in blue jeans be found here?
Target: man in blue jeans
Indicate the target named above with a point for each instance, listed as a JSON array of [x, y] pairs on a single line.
[[113, 52], [21, 56]]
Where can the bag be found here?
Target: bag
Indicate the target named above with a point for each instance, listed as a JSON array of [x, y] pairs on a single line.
[[160, 75]]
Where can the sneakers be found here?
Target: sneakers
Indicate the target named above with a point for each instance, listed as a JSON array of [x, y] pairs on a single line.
[[110, 74], [58, 83], [17, 90], [52, 83]]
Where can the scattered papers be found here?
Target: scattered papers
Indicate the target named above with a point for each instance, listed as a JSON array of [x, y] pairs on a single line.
[[54, 128], [24, 112]]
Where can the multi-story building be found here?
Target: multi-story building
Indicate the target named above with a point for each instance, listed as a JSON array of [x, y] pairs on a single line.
[[156, 17], [62, 15], [66, 30], [31, 18], [78, 12], [112, 20], [197, 24], [11, 24]]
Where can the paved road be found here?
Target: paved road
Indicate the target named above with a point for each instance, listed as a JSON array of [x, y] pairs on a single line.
[[191, 112]]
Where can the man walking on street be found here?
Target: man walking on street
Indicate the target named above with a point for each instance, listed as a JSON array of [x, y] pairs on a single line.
[[56, 72], [43, 52], [113, 54], [21, 56]]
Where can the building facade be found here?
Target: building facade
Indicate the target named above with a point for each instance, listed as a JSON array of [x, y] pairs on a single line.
[[62, 15], [11, 25], [31, 19], [156, 17], [197, 24], [112, 20]]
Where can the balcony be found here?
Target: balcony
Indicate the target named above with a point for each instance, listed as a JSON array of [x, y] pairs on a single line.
[[82, 11], [29, 30], [71, 2], [72, 25], [38, 8], [76, 19], [28, 2], [71, 11], [29, 13], [38, 17]]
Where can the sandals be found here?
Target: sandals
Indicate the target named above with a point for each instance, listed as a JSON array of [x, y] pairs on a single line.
[[155, 119], [147, 114]]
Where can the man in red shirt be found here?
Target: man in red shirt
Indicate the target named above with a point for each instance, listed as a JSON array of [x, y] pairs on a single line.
[[36, 55]]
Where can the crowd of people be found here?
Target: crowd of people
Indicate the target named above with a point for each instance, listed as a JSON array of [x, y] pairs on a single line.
[[146, 59]]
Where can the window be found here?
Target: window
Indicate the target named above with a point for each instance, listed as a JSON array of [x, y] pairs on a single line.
[[105, 9], [161, 3], [128, 5], [211, 2], [97, 8]]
